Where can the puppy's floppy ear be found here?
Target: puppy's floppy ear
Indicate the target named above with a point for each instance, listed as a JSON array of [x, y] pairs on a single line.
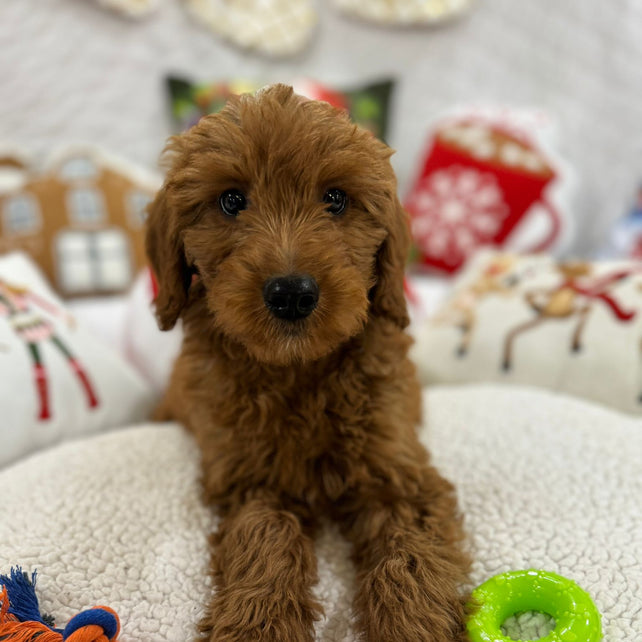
[[387, 296], [167, 256]]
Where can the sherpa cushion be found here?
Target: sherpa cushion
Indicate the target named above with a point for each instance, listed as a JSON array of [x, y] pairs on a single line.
[[545, 482]]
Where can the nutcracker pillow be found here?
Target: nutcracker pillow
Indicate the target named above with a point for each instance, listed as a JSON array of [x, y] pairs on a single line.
[[488, 178], [368, 105], [80, 216], [574, 327], [57, 381]]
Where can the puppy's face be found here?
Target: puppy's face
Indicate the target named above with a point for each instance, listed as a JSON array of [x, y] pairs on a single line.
[[288, 215]]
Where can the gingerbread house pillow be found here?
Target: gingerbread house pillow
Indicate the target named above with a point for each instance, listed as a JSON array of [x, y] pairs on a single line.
[[80, 217]]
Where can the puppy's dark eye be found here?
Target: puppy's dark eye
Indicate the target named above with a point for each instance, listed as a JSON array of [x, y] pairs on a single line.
[[336, 199], [231, 202]]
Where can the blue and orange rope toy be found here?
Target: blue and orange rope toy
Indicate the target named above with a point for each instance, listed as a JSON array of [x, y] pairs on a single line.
[[21, 621]]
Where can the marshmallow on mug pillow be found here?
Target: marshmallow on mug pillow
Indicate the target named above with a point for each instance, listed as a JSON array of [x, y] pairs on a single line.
[[490, 177], [574, 327], [57, 381]]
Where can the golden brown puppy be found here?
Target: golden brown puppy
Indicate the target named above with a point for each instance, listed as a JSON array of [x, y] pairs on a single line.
[[279, 239]]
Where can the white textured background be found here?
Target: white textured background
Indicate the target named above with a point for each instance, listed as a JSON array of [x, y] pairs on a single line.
[[70, 71]]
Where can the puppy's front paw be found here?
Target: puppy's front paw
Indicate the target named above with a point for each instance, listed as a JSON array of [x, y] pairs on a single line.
[[398, 603], [258, 617]]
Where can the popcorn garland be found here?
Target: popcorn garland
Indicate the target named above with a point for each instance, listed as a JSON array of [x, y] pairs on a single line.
[[277, 28], [404, 12]]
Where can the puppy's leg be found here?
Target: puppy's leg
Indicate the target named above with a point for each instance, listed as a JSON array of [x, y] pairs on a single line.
[[410, 562], [264, 567]]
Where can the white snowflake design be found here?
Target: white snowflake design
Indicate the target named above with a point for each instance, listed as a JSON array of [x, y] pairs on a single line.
[[456, 210]]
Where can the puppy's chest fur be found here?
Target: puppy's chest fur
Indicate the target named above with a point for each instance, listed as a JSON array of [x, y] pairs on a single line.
[[301, 431]]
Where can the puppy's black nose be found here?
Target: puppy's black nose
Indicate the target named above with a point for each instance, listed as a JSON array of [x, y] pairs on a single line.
[[291, 297]]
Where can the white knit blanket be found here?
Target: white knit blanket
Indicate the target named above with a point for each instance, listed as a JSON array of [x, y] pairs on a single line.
[[544, 481]]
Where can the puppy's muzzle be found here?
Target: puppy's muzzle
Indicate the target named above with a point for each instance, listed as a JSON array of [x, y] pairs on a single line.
[[291, 297]]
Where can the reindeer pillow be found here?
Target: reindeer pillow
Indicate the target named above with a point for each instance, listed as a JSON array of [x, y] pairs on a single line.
[[574, 327], [57, 382]]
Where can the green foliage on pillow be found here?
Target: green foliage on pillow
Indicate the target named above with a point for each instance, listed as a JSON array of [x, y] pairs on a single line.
[[368, 105]]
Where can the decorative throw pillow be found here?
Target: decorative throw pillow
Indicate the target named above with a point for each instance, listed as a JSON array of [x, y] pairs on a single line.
[[368, 106], [489, 178], [81, 218], [574, 327], [57, 381]]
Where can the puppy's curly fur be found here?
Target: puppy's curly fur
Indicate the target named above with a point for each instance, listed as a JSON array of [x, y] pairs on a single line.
[[300, 420]]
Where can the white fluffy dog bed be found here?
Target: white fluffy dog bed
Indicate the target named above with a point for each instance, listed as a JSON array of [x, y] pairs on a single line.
[[545, 482]]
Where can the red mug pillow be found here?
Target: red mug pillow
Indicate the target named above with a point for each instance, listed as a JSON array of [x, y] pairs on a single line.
[[484, 182]]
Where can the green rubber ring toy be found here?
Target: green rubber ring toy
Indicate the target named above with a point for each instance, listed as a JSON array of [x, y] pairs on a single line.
[[576, 617]]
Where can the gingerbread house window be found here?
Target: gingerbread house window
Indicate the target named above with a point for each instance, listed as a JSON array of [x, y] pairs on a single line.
[[93, 261], [78, 168], [86, 206], [21, 215], [137, 202]]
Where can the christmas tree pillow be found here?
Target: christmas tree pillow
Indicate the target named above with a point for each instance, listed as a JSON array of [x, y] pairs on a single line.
[[368, 105], [490, 177], [57, 381], [574, 327]]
